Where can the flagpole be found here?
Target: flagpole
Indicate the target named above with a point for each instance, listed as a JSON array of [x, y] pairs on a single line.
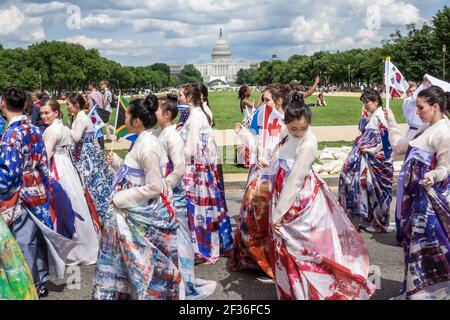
[[115, 123], [387, 80]]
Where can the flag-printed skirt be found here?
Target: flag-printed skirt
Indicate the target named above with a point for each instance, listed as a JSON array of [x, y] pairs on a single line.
[[74, 216], [97, 177], [194, 288], [365, 184], [16, 282], [251, 239], [425, 224], [320, 255], [208, 218], [138, 250]]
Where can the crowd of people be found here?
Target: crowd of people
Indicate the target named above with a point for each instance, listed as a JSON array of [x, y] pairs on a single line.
[[146, 220]]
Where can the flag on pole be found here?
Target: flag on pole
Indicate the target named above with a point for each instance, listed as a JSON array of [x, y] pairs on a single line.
[[437, 82], [120, 129], [395, 81], [97, 121]]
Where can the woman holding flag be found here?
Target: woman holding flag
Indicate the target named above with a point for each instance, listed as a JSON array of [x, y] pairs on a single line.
[[88, 157], [208, 217], [138, 257], [247, 108], [251, 239], [423, 198], [75, 219]]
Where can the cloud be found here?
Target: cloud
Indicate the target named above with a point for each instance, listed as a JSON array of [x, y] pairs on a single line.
[[15, 26]]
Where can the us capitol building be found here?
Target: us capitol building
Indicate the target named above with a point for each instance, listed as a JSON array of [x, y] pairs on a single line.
[[222, 68]]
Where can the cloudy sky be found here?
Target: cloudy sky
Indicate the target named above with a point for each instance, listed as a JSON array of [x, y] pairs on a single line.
[[142, 32]]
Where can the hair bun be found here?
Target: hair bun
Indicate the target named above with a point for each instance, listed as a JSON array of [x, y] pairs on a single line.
[[172, 97], [151, 103], [296, 96]]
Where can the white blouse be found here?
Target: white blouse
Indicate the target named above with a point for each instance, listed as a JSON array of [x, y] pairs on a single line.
[[148, 155], [81, 124], [300, 154], [433, 139], [56, 135], [196, 124], [173, 145]]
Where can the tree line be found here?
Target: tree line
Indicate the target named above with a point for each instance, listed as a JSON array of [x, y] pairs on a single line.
[[418, 52]]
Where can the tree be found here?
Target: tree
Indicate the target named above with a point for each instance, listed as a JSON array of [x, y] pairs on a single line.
[[190, 75], [246, 76]]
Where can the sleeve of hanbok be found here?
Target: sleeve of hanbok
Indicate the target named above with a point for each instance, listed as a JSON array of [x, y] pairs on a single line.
[[175, 152], [76, 133], [441, 144], [116, 162], [51, 138], [193, 136], [398, 142], [153, 187], [306, 155]]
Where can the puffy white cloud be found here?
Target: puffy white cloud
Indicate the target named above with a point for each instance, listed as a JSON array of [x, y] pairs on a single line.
[[15, 26]]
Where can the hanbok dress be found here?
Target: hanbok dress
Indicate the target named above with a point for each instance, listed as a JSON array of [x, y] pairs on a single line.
[[194, 289], [208, 218], [90, 162], [424, 212], [138, 256], [365, 183], [320, 255], [73, 216], [243, 154]]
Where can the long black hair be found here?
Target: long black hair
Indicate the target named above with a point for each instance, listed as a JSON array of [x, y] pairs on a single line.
[[193, 90]]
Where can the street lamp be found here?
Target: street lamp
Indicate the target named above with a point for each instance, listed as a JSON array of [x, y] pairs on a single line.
[[348, 68], [444, 52]]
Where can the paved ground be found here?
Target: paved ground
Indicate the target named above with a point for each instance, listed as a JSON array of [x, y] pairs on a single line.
[[385, 255]]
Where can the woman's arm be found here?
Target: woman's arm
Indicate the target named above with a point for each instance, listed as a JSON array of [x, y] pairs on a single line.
[[175, 152], [78, 128], [153, 186], [193, 136], [398, 142], [441, 144]]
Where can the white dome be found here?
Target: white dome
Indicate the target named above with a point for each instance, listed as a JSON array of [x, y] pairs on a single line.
[[221, 51]]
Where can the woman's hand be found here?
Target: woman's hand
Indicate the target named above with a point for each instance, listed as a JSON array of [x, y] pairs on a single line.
[[276, 228], [167, 191], [109, 158], [262, 162], [238, 127]]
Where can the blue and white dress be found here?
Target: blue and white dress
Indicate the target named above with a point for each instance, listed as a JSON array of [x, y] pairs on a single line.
[[138, 257], [91, 163]]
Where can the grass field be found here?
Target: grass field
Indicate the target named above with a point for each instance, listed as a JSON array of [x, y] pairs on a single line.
[[225, 106], [340, 110]]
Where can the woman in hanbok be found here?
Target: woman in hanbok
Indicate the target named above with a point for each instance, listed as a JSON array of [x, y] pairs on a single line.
[[74, 217], [208, 218], [318, 253], [88, 157], [251, 248], [242, 151], [365, 184], [423, 198], [138, 257], [16, 282], [194, 289]]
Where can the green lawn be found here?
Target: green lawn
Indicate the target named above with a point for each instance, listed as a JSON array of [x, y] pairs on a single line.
[[340, 110]]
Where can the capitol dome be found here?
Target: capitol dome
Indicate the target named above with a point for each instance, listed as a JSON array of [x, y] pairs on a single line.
[[221, 52]]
